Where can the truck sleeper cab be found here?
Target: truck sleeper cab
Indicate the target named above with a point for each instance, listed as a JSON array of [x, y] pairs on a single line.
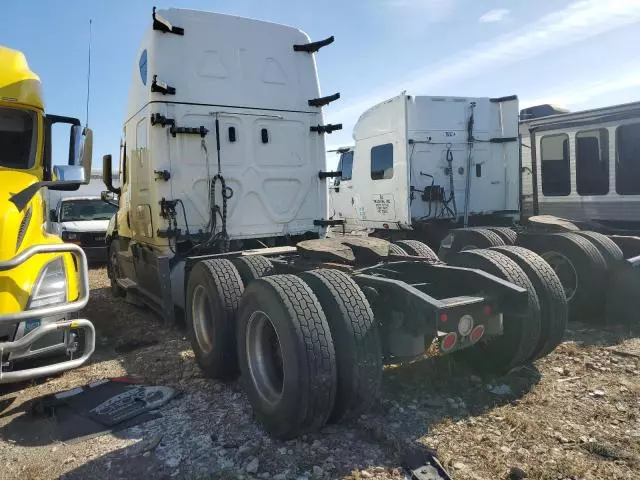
[[223, 214], [43, 281]]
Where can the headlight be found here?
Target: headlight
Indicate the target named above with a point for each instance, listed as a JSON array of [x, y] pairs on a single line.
[[69, 235], [51, 287]]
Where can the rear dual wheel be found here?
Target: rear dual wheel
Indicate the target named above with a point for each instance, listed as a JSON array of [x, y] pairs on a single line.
[[415, 248], [553, 303], [579, 265], [521, 332], [308, 349], [468, 239]]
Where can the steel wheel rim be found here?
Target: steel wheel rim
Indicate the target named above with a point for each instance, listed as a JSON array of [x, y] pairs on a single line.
[[202, 318], [264, 356], [565, 270]]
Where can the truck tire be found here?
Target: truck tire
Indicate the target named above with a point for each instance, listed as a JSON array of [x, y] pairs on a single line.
[[629, 245], [611, 252], [580, 267], [252, 267], [356, 341], [468, 239], [396, 250], [286, 356], [113, 269], [417, 249], [214, 289], [520, 332], [554, 311], [507, 235]]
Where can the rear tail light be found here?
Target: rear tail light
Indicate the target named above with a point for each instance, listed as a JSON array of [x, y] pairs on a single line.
[[449, 341], [487, 310], [477, 333], [444, 317]]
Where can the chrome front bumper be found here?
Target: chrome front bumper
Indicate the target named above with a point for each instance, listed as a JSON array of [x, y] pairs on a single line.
[[22, 346]]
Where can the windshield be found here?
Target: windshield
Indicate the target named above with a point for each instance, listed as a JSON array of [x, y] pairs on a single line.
[[17, 138], [79, 210]]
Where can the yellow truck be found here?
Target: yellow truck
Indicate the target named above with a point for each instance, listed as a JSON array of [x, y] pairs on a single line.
[[43, 281]]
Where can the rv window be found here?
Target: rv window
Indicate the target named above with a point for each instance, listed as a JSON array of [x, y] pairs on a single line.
[[555, 165], [382, 162], [346, 165], [592, 162], [628, 159]]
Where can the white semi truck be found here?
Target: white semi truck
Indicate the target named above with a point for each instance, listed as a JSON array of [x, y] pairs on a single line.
[[223, 217], [451, 172]]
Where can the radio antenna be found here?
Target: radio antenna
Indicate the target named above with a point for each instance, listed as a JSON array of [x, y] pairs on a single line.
[[88, 76]]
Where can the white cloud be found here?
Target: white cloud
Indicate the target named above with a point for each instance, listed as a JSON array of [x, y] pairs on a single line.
[[572, 95], [492, 16], [578, 21]]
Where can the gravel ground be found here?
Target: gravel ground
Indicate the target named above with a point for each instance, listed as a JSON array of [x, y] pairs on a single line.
[[574, 415]]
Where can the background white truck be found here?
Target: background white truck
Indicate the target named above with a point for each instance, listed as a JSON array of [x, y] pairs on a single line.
[[83, 220], [424, 163]]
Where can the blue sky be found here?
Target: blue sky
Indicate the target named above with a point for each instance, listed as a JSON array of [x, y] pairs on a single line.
[[580, 53]]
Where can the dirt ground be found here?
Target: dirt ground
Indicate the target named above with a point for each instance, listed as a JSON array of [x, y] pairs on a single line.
[[574, 415]]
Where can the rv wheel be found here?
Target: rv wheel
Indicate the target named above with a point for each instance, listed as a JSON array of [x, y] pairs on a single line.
[[286, 356]]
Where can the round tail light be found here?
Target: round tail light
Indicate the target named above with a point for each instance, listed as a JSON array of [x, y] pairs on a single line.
[[449, 341], [477, 333]]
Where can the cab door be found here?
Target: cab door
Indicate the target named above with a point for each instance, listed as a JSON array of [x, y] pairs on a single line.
[[341, 206]]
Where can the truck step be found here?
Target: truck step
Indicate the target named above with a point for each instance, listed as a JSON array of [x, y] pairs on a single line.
[[127, 283]]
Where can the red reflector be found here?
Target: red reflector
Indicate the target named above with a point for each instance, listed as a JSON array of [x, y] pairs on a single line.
[[385, 225], [449, 341], [487, 309], [444, 317], [476, 333]]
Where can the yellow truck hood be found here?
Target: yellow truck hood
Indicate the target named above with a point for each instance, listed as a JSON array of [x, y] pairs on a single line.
[[18, 231]]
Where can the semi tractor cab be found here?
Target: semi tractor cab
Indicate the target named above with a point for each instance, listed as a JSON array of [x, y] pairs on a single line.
[[424, 163], [43, 281], [223, 216]]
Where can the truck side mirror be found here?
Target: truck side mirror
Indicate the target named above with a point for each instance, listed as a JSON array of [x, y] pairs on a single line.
[[78, 169], [53, 217], [107, 176]]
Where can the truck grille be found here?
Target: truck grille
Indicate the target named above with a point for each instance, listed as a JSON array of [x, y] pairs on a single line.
[[91, 239]]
